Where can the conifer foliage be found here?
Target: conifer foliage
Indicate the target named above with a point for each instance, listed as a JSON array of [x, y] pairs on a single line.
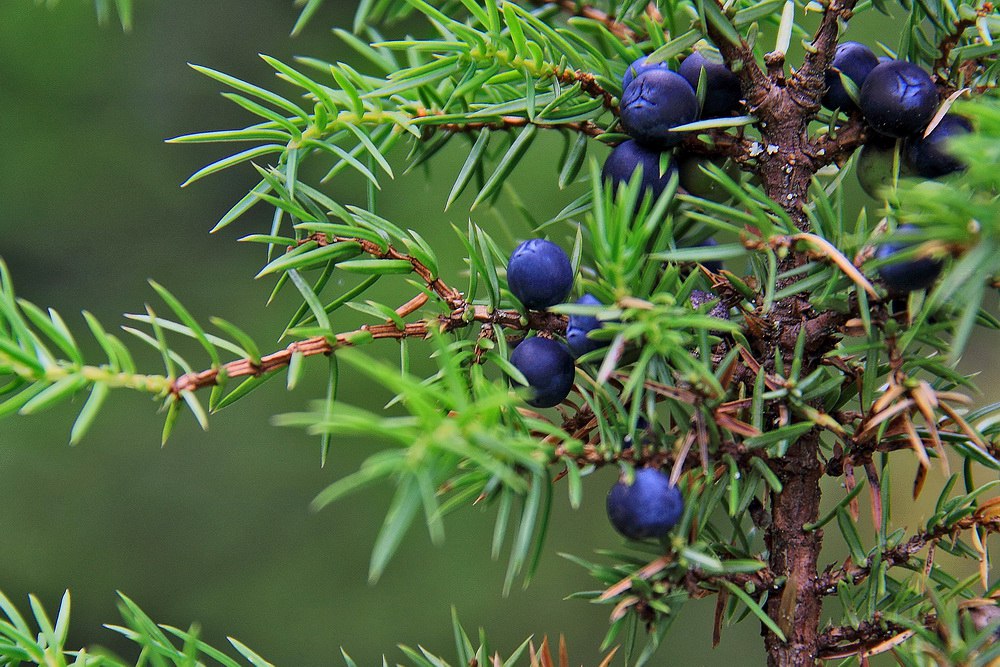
[[731, 353]]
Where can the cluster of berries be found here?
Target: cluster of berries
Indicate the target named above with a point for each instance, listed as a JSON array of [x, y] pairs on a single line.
[[657, 100], [540, 275], [898, 101]]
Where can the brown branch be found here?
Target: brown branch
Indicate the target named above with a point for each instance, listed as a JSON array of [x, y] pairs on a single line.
[[462, 315], [588, 84], [809, 83], [826, 584], [573, 8], [835, 149], [847, 641], [739, 58], [720, 143], [951, 41], [587, 127]]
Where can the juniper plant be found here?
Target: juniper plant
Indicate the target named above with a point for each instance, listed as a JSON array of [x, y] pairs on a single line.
[[813, 370]]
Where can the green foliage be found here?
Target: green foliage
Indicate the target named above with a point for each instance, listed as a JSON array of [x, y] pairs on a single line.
[[814, 353]]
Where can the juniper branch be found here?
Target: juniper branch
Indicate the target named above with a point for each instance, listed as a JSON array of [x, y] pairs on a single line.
[[462, 314], [900, 555], [614, 26]]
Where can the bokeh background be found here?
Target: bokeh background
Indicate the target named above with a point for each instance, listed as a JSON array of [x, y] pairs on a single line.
[[215, 527]]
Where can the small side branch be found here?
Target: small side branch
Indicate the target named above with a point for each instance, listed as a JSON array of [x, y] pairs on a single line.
[[587, 127], [588, 84], [940, 69], [826, 584], [462, 314], [614, 26], [809, 82], [869, 638], [828, 149], [739, 57]]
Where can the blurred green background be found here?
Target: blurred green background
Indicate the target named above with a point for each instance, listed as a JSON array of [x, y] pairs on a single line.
[[215, 527]]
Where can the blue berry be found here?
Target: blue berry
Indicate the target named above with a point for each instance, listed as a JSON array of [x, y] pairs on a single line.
[[855, 61], [650, 507], [898, 98], [722, 87], [580, 325], [909, 275], [656, 101], [928, 156], [548, 368], [539, 274], [627, 157], [638, 66]]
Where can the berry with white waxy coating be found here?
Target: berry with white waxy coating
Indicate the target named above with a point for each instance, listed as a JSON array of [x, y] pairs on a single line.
[[579, 326], [656, 101], [928, 156], [629, 156], [722, 86], [539, 274], [649, 507], [909, 275], [898, 98], [853, 60], [548, 368], [637, 67]]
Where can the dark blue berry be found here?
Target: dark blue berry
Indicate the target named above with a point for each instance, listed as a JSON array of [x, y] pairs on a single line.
[[638, 66], [722, 87], [580, 325], [855, 61], [909, 275], [929, 157], [548, 368], [898, 98], [539, 274], [700, 297], [656, 101], [650, 507], [627, 157]]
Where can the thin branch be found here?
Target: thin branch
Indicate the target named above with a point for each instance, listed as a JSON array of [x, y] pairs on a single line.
[[809, 82], [755, 84], [846, 641], [462, 314], [588, 84], [826, 583], [587, 127], [949, 43], [827, 149], [573, 8]]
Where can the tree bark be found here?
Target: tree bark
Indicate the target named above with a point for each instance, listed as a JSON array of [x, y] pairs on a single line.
[[793, 554]]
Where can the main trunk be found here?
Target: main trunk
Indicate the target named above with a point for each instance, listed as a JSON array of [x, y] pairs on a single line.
[[793, 554], [786, 174]]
